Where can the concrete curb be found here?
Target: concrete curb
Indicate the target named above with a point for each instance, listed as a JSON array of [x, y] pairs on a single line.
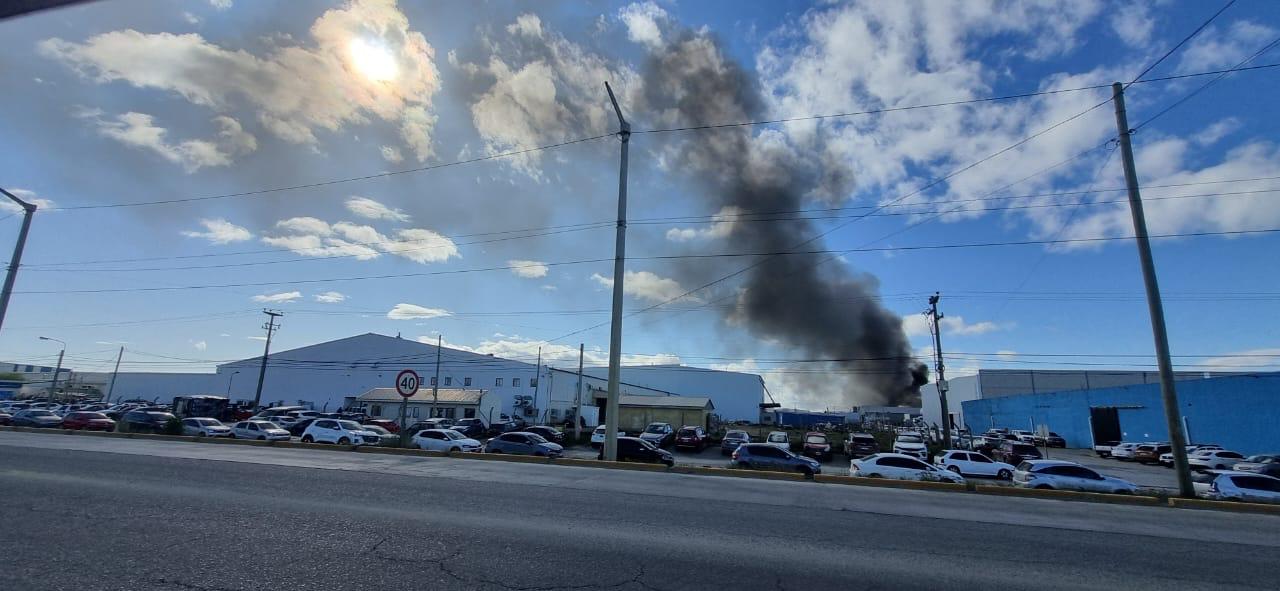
[[1061, 495]]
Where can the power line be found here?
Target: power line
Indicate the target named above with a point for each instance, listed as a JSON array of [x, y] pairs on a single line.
[[1175, 48], [1206, 85]]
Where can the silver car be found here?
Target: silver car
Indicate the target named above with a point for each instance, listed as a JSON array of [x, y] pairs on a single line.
[[205, 427], [523, 444], [1063, 475]]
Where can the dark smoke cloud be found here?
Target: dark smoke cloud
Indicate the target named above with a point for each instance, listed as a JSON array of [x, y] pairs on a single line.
[[822, 310]]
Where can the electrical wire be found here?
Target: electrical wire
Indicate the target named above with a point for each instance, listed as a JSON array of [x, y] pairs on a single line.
[[1184, 41]]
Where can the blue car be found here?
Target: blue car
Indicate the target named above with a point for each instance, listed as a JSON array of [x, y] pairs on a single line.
[[763, 456], [522, 443], [732, 440]]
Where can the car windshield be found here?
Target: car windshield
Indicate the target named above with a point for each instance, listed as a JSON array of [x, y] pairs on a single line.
[[209, 422], [736, 435], [40, 413], [656, 428], [777, 438], [91, 415], [688, 432], [534, 437], [1024, 449], [350, 425], [908, 439], [816, 439], [453, 435], [266, 425]]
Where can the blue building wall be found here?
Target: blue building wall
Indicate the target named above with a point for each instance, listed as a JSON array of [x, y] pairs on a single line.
[[1241, 413], [807, 419]]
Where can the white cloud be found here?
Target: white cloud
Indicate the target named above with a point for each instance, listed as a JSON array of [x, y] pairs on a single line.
[[190, 18], [1252, 359], [199, 345], [220, 4], [391, 154], [7, 205], [368, 208], [646, 285], [641, 20], [1215, 48], [220, 231], [412, 312], [547, 287], [330, 297], [256, 338], [1216, 131], [363, 61], [278, 298], [314, 237], [721, 225], [138, 130], [917, 325], [305, 225], [528, 269], [1134, 24], [528, 25]]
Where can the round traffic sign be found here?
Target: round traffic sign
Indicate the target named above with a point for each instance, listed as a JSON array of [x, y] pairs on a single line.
[[407, 383]]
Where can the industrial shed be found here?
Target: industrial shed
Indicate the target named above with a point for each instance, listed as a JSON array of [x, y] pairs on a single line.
[[636, 412]]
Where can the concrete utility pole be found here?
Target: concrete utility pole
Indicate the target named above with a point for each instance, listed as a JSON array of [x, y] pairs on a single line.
[[610, 451], [542, 415], [577, 404], [435, 383], [115, 371], [271, 327], [1154, 305], [28, 209], [936, 317], [53, 386]]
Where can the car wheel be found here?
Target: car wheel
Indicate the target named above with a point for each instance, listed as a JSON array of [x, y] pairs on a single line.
[[1043, 487], [308, 439], [496, 451], [955, 469], [1004, 475], [1122, 491], [262, 438], [233, 436], [744, 465], [454, 450], [344, 441]]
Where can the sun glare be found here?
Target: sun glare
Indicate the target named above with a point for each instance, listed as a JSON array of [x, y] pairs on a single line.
[[373, 60]]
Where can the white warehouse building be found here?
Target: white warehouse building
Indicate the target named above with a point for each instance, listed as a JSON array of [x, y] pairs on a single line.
[[325, 374]]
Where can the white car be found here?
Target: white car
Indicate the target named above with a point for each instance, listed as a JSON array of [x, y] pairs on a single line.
[[261, 430], [597, 437], [972, 463], [340, 432], [779, 439], [1124, 451], [444, 440], [201, 427], [1214, 459], [911, 445], [1063, 475], [900, 467], [1166, 459], [1023, 436], [1230, 485]]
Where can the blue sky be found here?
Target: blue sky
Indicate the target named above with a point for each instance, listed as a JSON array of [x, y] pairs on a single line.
[[123, 102]]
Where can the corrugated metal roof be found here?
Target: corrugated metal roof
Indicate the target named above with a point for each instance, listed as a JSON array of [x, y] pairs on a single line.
[[449, 395], [698, 402]]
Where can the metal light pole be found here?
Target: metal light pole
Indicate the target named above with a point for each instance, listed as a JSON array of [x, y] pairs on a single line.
[[229, 379], [57, 370], [1154, 306], [28, 209], [610, 451]]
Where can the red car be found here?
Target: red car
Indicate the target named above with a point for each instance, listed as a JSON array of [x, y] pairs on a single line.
[[89, 421], [693, 437], [817, 446], [387, 424]]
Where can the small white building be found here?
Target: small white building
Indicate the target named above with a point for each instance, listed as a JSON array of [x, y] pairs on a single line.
[[449, 403]]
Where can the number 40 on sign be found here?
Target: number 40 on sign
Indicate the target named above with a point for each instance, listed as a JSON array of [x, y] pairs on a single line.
[[407, 383]]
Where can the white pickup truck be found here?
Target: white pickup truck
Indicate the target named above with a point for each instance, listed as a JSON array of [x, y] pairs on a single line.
[[1103, 448]]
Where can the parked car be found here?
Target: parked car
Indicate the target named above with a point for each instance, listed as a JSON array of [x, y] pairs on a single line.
[[299, 427], [1149, 453], [597, 437], [1233, 485], [339, 431], [731, 441], [861, 445], [768, 456], [1103, 448], [1216, 459], [1055, 440], [204, 427], [549, 433], [1264, 464], [634, 449], [910, 445], [144, 421], [389, 425], [1014, 453], [87, 421], [659, 434], [1124, 451], [36, 417], [5, 418], [447, 440], [259, 430], [385, 437], [779, 439], [1166, 459], [972, 463], [816, 446], [901, 467], [1064, 475], [1023, 436], [524, 444], [692, 437], [472, 428]]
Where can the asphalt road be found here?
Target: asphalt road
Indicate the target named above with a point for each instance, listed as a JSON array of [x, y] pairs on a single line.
[[88, 513]]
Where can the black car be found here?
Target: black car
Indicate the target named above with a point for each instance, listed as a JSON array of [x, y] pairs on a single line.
[[146, 421], [1055, 440], [297, 428], [549, 433], [1012, 452], [861, 445], [473, 428], [634, 449], [36, 417]]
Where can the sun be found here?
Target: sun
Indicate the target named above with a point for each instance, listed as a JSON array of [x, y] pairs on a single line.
[[373, 60]]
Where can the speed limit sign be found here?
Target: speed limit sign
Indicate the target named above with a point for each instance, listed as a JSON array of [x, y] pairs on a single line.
[[407, 383]]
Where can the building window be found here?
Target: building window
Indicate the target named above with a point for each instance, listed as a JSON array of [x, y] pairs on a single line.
[[433, 380], [447, 412], [533, 382], [497, 382], [515, 382], [468, 413], [448, 380], [377, 410], [414, 414], [466, 382]]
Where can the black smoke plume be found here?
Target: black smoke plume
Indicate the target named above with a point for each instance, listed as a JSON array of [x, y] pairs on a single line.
[[825, 311]]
